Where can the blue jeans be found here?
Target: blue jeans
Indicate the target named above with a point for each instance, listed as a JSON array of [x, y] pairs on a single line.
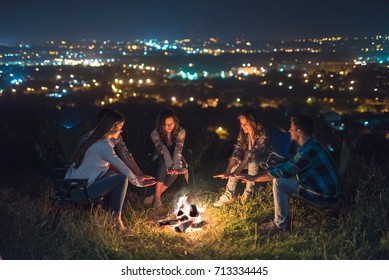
[[161, 175], [113, 187], [282, 188], [232, 182]]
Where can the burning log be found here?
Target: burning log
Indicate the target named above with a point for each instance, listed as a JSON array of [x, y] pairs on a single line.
[[183, 227], [193, 212], [172, 222], [185, 217], [169, 222], [199, 225]]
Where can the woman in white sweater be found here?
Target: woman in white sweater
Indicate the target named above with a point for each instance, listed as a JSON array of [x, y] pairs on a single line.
[[92, 160]]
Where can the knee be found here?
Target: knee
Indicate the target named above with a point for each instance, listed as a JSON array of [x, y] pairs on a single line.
[[122, 179]]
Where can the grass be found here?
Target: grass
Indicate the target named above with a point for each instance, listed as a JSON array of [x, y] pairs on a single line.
[[358, 231]]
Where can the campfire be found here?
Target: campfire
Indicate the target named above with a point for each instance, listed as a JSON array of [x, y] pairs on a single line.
[[185, 217]]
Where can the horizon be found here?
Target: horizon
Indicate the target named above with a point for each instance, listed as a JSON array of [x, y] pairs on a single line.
[[258, 20], [13, 43]]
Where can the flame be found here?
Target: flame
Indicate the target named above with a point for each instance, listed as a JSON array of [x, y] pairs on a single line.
[[185, 217]]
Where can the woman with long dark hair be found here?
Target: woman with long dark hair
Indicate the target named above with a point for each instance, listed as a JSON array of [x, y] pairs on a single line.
[[92, 160], [252, 147], [168, 138]]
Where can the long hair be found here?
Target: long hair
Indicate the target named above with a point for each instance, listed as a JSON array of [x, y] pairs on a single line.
[[109, 120], [162, 116], [254, 123]]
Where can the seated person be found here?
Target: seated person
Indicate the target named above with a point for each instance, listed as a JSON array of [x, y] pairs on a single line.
[[251, 148], [92, 161], [120, 149], [168, 138], [315, 174]]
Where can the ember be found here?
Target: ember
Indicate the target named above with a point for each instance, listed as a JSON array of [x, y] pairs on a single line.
[[186, 217]]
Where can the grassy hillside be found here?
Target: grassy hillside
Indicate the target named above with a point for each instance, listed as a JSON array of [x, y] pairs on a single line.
[[358, 229]]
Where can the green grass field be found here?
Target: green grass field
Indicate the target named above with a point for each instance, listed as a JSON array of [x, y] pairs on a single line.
[[358, 229]]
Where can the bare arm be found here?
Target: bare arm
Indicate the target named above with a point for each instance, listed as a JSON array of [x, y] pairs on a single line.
[[226, 174], [242, 164], [131, 163], [262, 177]]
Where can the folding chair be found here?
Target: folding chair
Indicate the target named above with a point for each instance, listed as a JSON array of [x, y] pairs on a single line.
[[320, 206], [60, 189], [69, 138], [281, 142]]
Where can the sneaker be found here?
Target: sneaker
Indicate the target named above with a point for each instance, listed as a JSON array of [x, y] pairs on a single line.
[[246, 196], [270, 228], [223, 200], [148, 200]]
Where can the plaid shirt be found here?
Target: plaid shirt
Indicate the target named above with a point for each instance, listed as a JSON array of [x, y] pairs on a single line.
[[119, 146], [315, 170], [259, 151], [175, 159]]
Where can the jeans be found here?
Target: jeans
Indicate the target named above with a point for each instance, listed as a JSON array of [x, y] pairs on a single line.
[[233, 182], [282, 188], [161, 175], [113, 186]]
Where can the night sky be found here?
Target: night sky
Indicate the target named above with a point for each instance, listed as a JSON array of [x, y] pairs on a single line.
[[40, 20]]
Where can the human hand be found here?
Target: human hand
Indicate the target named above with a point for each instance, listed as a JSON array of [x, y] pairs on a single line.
[[222, 176], [245, 177], [144, 177], [147, 183], [180, 171], [170, 171]]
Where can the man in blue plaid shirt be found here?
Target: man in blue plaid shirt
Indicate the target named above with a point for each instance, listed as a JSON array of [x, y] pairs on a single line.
[[311, 173]]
